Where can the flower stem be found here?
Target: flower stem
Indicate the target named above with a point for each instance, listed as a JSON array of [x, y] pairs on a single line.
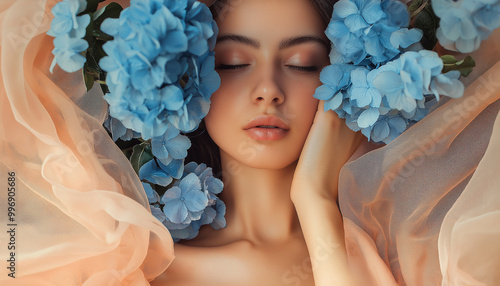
[[419, 9]]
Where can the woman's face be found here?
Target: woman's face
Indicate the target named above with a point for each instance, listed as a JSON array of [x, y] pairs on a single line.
[[269, 55]]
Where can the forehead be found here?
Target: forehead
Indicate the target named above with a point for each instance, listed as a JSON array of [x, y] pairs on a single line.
[[271, 19]]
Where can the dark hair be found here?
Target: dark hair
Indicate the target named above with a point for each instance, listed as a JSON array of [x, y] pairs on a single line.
[[221, 7], [203, 148]]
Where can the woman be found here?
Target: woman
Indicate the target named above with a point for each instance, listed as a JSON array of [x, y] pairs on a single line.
[[268, 78], [395, 199], [81, 214]]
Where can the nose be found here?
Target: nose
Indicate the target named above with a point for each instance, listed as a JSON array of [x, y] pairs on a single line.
[[268, 91]]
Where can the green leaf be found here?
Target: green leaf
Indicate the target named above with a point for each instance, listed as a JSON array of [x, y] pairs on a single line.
[[89, 34], [449, 59], [112, 10], [415, 4], [89, 80], [428, 22], [141, 154], [464, 66]]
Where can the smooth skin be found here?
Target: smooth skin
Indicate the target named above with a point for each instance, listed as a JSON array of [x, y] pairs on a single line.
[[284, 226]]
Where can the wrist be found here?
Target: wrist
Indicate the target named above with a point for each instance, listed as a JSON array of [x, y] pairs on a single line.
[[314, 206], [308, 195]]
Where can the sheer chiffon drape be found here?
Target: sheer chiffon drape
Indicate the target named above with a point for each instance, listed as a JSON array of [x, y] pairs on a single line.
[[427, 205], [422, 210], [81, 213]]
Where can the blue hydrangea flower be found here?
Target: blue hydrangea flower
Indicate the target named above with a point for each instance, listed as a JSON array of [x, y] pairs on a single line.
[[401, 81], [69, 30], [213, 215], [184, 199], [358, 14], [156, 172], [369, 31], [404, 80], [382, 102], [219, 219], [335, 78], [464, 24], [152, 195], [190, 203], [363, 92], [349, 47], [157, 212], [189, 115], [211, 186], [387, 128], [189, 232], [207, 78], [200, 29], [447, 84], [487, 15], [118, 131], [159, 69], [172, 145]]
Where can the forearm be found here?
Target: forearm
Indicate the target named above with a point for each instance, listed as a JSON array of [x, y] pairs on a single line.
[[323, 231]]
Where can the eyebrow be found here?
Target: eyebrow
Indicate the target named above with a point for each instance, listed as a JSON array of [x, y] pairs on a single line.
[[239, 39], [286, 43]]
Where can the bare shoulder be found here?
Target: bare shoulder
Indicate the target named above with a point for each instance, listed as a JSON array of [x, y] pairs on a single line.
[[195, 265], [238, 263]]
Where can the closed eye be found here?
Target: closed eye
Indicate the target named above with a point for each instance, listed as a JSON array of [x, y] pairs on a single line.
[[304, 68], [230, 67]]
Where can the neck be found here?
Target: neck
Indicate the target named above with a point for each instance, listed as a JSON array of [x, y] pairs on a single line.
[[258, 204]]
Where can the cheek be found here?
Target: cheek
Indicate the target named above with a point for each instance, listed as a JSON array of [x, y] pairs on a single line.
[[217, 115], [302, 105], [222, 116]]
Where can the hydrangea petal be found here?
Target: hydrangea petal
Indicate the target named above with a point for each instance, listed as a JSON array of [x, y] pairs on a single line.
[[324, 92], [388, 82], [368, 117], [380, 131], [178, 147], [345, 8], [190, 182], [404, 37], [175, 210], [152, 195], [334, 102], [152, 173], [195, 200], [219, 220], [355, 23], [372, 12], [174, 193]]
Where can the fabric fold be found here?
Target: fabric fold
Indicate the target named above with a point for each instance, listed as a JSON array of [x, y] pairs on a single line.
[[429, 200], [81, 214]]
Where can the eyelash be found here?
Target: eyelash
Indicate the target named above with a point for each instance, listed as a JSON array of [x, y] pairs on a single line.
[[231, 67], [304, 69], [237, 67]]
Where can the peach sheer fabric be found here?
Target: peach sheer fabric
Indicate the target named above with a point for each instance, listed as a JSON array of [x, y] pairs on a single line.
[[82, 215], [422, 210]]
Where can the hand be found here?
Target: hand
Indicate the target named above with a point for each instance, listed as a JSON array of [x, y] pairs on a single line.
[[328, 146]]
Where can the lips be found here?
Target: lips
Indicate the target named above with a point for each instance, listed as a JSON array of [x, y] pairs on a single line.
[[267, 128]]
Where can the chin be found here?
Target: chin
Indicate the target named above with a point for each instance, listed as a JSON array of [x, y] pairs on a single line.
[[268, 159], [271, 165]]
